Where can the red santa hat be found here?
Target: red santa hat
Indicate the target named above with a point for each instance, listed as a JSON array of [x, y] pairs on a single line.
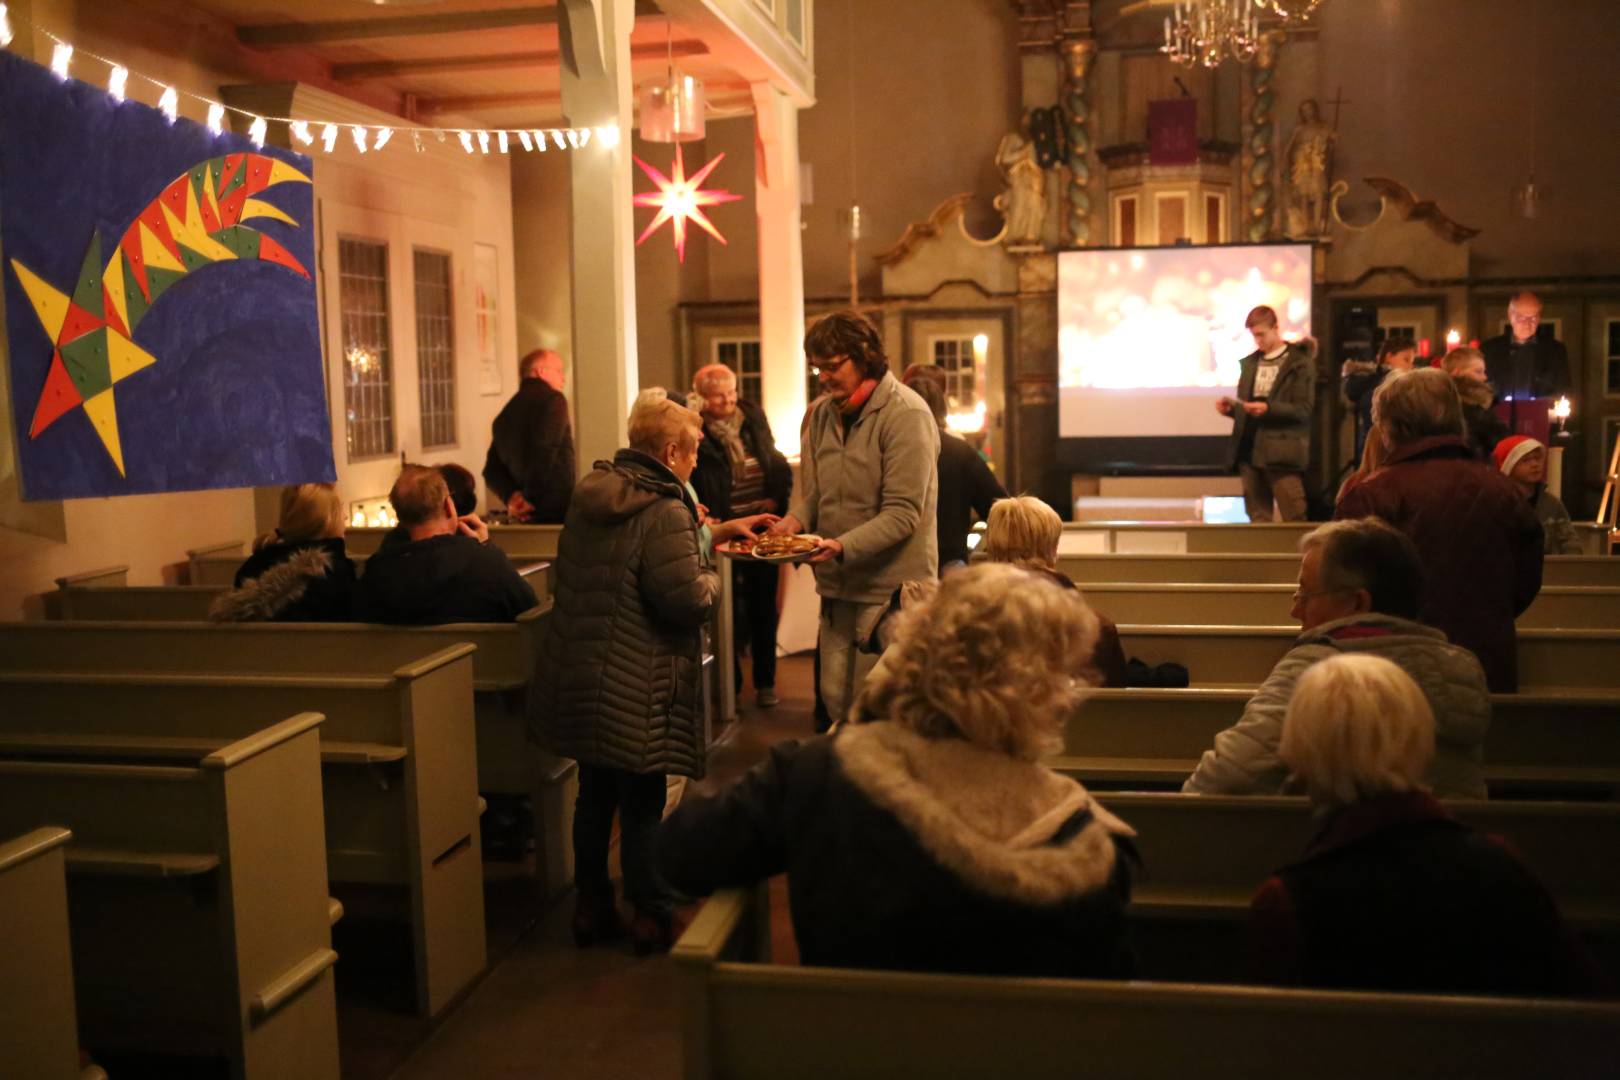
[[1511, 450]]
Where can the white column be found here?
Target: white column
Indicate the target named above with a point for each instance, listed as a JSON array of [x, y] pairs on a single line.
[[597, 93], [781, 262]]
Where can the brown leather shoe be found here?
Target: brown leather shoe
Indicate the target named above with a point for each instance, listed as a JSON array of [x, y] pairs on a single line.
[[655, 933], [596, 918]]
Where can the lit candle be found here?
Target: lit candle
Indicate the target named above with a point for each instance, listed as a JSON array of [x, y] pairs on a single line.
[[1561, 410], [1453, 339]]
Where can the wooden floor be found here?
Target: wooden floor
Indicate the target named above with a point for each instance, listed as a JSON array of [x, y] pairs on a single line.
[[547, 1009]]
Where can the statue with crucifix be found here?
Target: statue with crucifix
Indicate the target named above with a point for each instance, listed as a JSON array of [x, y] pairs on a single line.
[[1309, 159]]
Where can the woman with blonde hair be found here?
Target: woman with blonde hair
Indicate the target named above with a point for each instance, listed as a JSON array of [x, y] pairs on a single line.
[[925, 835], [1025, 531], [1394, 893], [300, 572]]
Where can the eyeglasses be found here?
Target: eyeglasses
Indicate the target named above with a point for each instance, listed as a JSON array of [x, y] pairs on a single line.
[[1301, 594], [830, 365], [1530, 319]]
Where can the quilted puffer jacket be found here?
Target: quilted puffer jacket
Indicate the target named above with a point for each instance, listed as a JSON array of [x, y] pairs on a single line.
[[1244, 760], [1480, 543], [619, 662]]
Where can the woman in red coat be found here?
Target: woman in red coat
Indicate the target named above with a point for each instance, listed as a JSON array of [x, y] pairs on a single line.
[[1480, 542]]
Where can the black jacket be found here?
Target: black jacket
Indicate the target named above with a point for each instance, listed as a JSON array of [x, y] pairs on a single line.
[[1394, 894], [309, 581], [1281, 439], [443, 579], [909, 853], [619, 660], [712, 477], [967, 487], [532, 451], [1538, 369], [1358, 381]]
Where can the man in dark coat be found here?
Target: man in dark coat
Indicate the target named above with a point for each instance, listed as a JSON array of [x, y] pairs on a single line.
[[617, 685], [967, 487], [1480, 543], [1523, 365], [1271, 420], [447, 571], [530, 465], [739, 473], [1359, 379]]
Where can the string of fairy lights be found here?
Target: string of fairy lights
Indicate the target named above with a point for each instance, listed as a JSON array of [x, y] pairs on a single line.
[[309, 131]]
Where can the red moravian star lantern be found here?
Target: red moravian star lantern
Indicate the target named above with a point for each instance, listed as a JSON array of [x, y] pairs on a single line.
[[680, 199]]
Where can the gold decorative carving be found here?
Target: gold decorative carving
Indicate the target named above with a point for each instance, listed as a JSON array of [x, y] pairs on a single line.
[[1078, 56], [918, 231], [1393, 193]]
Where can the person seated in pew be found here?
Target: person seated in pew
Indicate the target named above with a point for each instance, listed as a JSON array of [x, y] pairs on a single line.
[[1393, 893], [463, 487], [446, 572], [925, 834], [1359, 586], [300, 572], [1023, 531]]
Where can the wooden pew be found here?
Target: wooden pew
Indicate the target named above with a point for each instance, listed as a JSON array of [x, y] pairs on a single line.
[[525, 543], [1550, 742], [744, 1017], [398, 774], [1199, 538], [1282, 569], [1549, 659], [39, 1029], [505, 657], [169, 603], [197, 899], [1590, 607], [217, 569]]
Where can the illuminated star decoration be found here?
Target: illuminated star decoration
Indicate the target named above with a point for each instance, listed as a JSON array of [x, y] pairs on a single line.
[[680, 199], [195, 222]]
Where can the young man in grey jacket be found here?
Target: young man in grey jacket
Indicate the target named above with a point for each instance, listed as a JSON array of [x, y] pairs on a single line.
[[869, 487], [1359, 586]]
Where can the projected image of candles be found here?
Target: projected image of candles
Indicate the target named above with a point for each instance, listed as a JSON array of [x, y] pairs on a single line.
[[1148, 339]]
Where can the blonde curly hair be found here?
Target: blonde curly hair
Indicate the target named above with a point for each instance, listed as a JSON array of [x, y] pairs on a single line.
[[996, 658]]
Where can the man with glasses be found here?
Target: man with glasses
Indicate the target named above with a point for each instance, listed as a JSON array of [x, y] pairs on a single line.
[[1523, 364], [868, 487], [1360, 583]]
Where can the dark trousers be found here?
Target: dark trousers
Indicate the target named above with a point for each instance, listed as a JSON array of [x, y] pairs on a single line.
[[756, 614], [639, 799]]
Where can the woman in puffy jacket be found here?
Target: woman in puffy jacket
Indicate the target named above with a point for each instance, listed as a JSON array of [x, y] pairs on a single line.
[[300, 572]]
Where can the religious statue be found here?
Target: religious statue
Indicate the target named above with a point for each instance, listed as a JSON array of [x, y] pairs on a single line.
[[1023, 204], [1310, 161]]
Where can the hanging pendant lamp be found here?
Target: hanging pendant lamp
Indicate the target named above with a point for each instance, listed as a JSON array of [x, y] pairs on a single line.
[[672, 108]]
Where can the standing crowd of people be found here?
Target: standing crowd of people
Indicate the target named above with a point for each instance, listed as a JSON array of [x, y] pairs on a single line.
[[923, 831]]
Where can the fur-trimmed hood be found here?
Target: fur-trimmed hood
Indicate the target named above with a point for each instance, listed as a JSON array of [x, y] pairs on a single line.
[[1008, 828], [276, 590]]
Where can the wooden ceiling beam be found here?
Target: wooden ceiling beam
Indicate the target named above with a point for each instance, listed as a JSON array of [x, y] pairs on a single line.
[[293, 34], [455, 65]]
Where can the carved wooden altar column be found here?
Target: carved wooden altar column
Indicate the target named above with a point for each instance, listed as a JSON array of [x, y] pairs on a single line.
[[596, 92]]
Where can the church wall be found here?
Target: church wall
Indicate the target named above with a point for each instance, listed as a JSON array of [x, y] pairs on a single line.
[[150, 533], [1439, 98]]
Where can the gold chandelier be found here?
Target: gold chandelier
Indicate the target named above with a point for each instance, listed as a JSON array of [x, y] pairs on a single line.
[[1210, 32]]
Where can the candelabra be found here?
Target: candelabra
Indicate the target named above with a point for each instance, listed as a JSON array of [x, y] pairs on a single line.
[[1209, 32]]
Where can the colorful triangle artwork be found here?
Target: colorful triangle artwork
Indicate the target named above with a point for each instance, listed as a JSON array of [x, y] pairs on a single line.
[[59, 396], [103, 414], [125, 358], [51, 305]]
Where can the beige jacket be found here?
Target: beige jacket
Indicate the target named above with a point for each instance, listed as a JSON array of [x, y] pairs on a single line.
[[875, 491]]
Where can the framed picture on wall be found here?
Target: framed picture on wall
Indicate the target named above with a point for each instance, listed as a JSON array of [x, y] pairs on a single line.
[[487, 317]]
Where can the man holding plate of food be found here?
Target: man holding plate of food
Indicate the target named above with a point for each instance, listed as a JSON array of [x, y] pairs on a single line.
[[868, 489]]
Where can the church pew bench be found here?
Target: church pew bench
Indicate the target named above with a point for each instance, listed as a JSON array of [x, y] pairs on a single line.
[[39, 1031], [398, 774], [1282, 569], [507, 762], [1554, 742], [218, 570], [1203, 856], [197, 899], [187, 602], [1549, 658], [1574, 606], [520, 542], [1199, 538], [744, 1017]]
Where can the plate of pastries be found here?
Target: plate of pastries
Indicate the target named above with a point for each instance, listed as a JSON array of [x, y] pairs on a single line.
[[770, 548]]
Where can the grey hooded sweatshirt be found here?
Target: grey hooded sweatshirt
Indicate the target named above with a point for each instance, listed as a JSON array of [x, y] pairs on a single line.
[[1244, 760]]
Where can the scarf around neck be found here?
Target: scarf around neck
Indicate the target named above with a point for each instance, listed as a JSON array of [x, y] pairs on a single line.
[[729, 432], [857, 400]]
